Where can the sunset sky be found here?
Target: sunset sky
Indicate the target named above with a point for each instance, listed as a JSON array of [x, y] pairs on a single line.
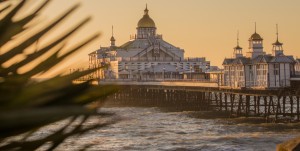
[[203, 28]]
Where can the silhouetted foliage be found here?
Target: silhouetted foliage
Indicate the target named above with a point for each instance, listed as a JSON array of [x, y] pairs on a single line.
[[27, 105]]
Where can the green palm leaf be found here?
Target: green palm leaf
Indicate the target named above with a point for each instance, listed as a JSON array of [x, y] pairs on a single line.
[[27, 105]]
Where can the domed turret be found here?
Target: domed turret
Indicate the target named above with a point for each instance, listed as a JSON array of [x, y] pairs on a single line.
[[277, 46], [255, 36], [255, 45], [238, 51], [146, 26], [146, 21]]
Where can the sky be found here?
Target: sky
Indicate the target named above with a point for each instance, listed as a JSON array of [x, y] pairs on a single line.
[[203, 28]]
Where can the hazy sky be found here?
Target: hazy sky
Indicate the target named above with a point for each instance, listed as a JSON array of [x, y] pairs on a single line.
[[203, 28]]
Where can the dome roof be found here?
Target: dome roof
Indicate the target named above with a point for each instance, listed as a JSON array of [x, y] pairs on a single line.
[[278, 43], [112, 38], [146, 21], [255, 36], [237, 47]]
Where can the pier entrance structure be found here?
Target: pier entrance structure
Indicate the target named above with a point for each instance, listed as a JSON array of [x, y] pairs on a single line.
[[146, 56]]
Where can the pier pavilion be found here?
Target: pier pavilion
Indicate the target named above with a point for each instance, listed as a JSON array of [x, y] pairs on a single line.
[[258, 69], [146, 56]]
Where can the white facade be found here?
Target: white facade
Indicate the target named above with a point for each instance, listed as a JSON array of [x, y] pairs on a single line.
[[258, 69], [143, 56], [297, 67]]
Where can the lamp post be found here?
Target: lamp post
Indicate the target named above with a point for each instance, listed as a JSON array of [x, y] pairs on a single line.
[[126, 69], [153, 74], [164, 73], [191, 72], [176, 74]]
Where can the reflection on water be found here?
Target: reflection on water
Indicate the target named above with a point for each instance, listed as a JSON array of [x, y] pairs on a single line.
[[152, 129]]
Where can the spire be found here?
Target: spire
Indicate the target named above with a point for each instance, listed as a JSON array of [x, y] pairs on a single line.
[[277, 46], [277, 37], [237, 53], [237, 38], [277, 31], [112, 39], [238, 42], [112, 34], [255, 26], [146, 10], [112, 30]]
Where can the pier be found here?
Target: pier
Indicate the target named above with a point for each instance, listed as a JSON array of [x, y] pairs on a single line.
[[273, 105]]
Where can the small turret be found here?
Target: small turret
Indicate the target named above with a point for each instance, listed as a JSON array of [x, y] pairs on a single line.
[[255, 45], [112, 39], [277, 46], [238, 51]]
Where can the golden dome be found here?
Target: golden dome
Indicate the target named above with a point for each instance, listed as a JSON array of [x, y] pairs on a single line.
[[255, 36], [146, 21]]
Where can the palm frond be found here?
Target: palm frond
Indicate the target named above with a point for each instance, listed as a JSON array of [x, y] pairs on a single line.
[[26, 105], [28, 42]]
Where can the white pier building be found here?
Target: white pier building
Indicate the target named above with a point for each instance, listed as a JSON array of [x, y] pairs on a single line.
[[147, 56], [258, 69]]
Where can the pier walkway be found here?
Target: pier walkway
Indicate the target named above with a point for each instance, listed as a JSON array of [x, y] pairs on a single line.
[[273, 105]]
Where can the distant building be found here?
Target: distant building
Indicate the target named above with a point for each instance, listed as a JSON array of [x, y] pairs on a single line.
[[297, 67], [146, 56], [258, 69]]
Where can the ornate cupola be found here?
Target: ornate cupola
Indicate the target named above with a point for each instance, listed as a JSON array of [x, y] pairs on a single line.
[[277, 46], [238, 51], [146, 26], [255, 45], [112, 39]]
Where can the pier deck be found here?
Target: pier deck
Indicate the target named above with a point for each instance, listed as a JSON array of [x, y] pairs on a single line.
[[272, 105]]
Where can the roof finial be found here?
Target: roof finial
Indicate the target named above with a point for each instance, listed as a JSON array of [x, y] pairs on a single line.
[[146, 10], [238, 38], [277, 31], [112, 34], [255, 26]]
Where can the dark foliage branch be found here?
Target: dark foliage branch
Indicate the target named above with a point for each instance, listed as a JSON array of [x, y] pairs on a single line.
[[26, 105]]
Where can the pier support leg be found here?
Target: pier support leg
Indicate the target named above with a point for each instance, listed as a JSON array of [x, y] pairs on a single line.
[[225, 95], [298, 110], [216, 99], [283, 106], [221, 103], [292, 105], [265, 104], [247, 105], [278, 108], [231, 101], [255, 104], [270, 104], [239, 105], [258, 104]]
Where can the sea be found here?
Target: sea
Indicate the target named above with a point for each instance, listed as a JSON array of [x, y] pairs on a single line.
[[143, 129]]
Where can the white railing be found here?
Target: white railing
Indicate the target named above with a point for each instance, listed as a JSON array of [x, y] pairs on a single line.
[[160, 59], [162, 80]]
